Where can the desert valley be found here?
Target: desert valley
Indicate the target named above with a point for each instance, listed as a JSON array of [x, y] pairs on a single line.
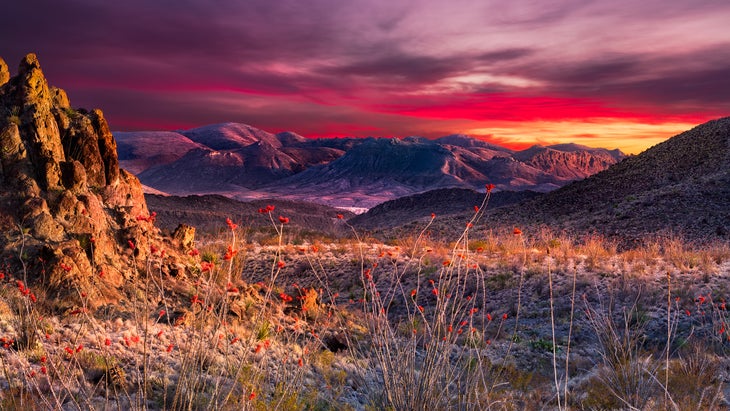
[[225, 267]]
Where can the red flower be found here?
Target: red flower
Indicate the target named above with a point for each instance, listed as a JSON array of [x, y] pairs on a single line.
[[131, 245], [413, 292], [230, 253], [435, 292], [193, 252], [446, 263], [516, 231], [489, 317], [504, 316], [231, 224], [420, 308], [433, 215], [490, 187], [340, 216], [206, 266], [251, 396], [476, 209], [300, 362], [169, 348], [44, 370], [284, 220], [280, 264], [79, 348]]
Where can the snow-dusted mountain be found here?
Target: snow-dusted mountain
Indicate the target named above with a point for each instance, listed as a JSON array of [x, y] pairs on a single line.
[[244, 162]]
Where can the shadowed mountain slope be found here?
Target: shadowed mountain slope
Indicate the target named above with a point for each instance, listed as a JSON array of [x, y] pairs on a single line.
[[680, 186]]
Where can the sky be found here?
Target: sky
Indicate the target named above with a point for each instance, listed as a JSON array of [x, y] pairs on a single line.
[[616, 74]]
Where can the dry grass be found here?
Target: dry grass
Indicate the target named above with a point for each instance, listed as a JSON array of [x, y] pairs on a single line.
[[500, 321]]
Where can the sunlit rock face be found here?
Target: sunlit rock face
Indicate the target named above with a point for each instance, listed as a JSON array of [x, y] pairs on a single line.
[[67, 210]]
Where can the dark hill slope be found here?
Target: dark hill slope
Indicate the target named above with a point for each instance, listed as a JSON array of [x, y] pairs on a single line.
[[441, 202], [681, 186]]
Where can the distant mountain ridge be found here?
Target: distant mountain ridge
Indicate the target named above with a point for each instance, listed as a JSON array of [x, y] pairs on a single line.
[[245, 163]]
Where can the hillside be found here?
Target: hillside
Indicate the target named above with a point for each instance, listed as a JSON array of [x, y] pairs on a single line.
[[442, 202], [208, 214], [681, 186]]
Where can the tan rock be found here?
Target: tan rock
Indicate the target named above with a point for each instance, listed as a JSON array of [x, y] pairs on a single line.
[[4, 72], [46, 228], [185, 236]]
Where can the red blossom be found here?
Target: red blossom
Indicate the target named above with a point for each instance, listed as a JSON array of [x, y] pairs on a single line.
[[231, 224], [433, 215], [280, 264], [251, 396], [230, 253], [169, 348], [284, 220], [193, 252], [476, 209], [435, 292], [490, 187], [517, 231], [340, 216], [413, 292], [131, 245]]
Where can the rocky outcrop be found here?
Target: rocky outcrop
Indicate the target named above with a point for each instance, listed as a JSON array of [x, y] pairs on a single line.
[[77, 221], [4, 72]]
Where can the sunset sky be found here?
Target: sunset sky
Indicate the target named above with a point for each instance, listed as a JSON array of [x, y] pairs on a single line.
[[619, 73]]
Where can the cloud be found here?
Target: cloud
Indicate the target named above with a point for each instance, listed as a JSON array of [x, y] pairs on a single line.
[[390, 68]]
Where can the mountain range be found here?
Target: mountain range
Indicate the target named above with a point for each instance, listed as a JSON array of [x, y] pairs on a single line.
[[245, 163], [680, 187]]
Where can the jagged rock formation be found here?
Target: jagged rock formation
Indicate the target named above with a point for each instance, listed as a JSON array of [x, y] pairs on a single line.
[[73, 218]]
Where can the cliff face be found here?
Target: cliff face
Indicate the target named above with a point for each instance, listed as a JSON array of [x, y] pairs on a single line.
[[68, 211]]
